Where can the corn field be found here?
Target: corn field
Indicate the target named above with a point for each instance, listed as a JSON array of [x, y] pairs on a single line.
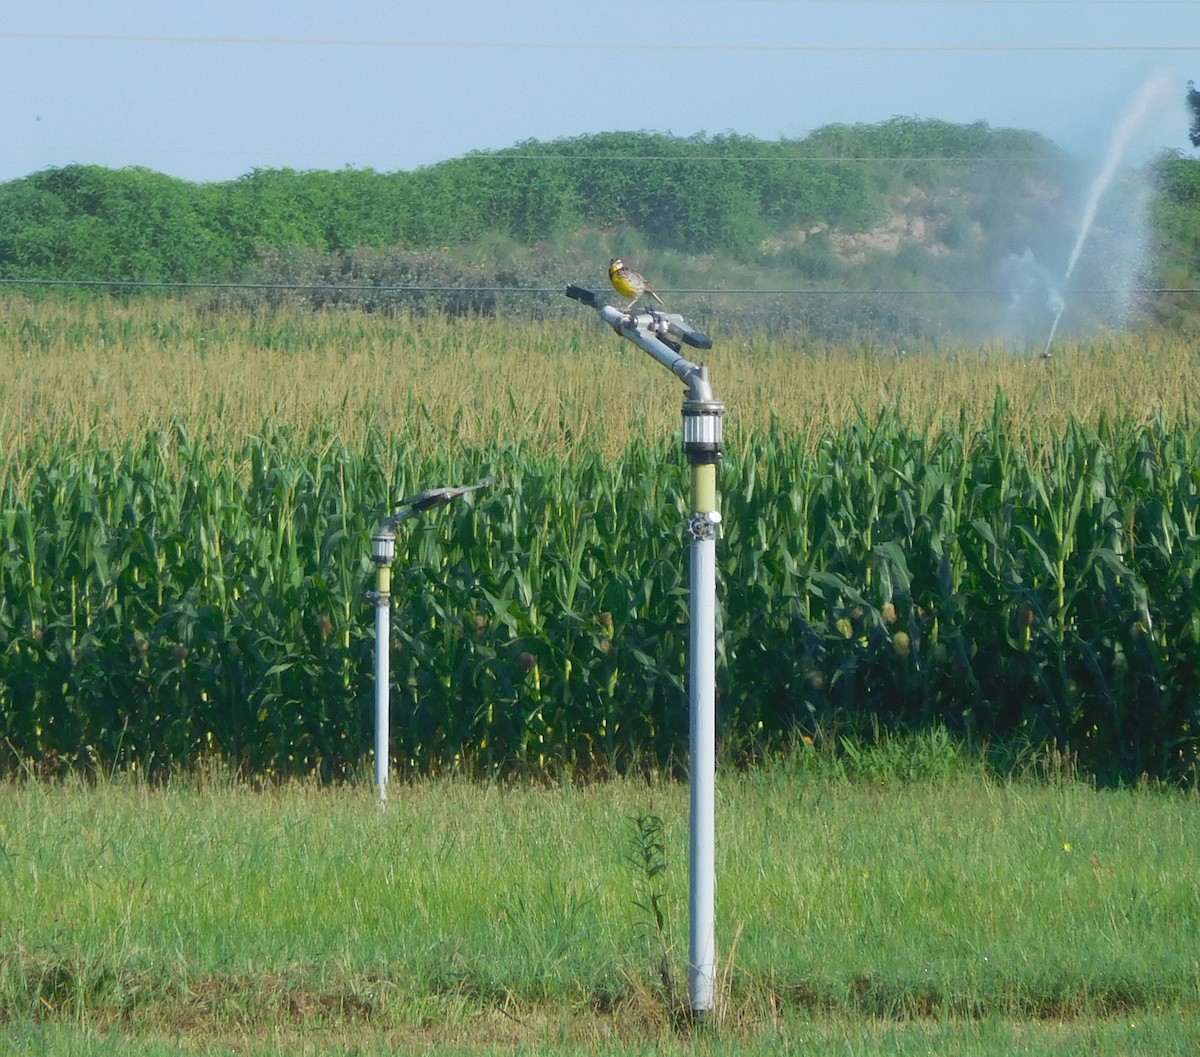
[[171, 600], [170, 592]]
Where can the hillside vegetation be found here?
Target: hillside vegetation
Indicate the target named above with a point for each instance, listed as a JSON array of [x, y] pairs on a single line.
[[919, 226]]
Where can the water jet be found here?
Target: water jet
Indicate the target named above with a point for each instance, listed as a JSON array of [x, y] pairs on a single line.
[[1157, 89]]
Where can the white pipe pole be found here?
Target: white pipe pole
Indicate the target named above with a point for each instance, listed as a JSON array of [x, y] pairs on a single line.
[[702, 828], [383, 622], [661, 335], [702, 444], [383, 551]]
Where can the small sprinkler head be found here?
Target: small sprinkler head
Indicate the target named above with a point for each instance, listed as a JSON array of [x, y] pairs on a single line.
[[431, 498], [435, 497]]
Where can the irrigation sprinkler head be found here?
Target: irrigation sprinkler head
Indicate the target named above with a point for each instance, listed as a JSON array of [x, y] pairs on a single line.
[[583, 295], [433, 497], [662, 334], [670, 328], [383, 542], [675, 324], [656, 321]]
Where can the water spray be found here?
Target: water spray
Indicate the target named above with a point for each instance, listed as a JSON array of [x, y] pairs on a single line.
[[1157, 88]]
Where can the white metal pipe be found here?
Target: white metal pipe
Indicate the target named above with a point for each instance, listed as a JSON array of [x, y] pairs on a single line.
[[702, 828], [655, 332], [383, 622]]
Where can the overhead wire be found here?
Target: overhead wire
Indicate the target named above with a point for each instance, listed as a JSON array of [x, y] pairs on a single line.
[[391, 288], [625, 43]]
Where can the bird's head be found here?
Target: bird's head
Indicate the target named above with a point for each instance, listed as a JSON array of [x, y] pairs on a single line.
[[615, 265]]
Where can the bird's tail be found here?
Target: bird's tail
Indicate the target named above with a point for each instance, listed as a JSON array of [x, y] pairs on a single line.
[[656, 297]]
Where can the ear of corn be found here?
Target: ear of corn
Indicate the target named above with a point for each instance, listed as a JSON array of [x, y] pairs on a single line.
[[177, 597]]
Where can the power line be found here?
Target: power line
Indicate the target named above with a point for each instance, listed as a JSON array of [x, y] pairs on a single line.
[[137, 284], [766, 158], [977, 3], [475, 157], [627, 44]]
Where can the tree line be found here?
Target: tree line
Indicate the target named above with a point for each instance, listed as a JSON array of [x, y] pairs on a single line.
[[896, 215], [700, 194]]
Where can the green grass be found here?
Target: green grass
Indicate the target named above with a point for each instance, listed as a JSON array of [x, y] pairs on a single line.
[[859, 912], [891, 897], [1163, 1034]]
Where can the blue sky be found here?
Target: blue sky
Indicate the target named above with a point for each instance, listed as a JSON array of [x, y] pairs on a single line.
[[211, 89]]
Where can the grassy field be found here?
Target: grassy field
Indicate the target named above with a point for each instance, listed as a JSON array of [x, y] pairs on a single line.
[[894, 898], [858, 913]]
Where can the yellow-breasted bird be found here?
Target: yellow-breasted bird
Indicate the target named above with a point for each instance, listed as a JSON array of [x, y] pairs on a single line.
[[629, 282]]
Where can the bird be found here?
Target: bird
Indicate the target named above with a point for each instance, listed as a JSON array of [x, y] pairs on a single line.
[[629, 282]]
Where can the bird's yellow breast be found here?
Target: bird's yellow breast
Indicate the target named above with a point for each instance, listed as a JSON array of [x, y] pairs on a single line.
[[622, 285]]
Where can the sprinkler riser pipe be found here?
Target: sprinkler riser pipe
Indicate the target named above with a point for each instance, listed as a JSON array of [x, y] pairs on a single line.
[[702, 946], [383, 553], [383, 633], [704, 493], [702, 732], [655, 332]]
